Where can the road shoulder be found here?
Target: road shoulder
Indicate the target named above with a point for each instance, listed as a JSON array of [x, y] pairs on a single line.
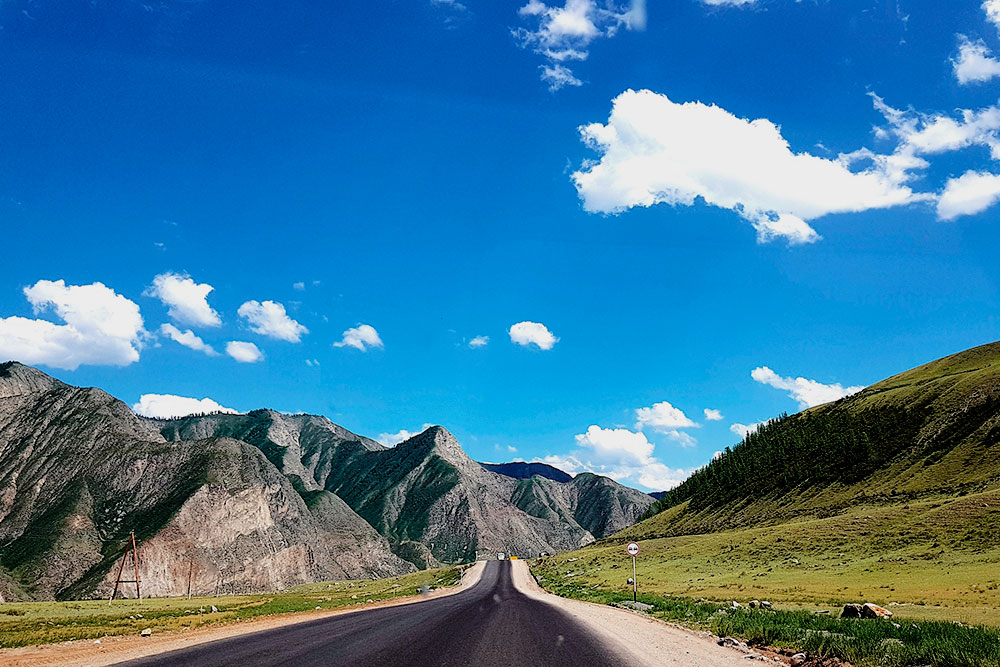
[[111, 650], [649, 642]]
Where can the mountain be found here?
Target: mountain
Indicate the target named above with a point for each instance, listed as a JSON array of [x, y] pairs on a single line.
[[79, 471], [522, 470], [254, 501], [425, 495], [931, 431]]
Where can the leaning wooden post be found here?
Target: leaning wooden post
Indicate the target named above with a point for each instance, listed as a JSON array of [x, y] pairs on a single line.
[[135, 561]]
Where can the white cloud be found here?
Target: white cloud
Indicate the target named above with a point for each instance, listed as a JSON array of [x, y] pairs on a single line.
[[187, 339], [270, 319], [559, 76], [299, 286], [479, 341], [512, 449], [185, 298], [245, 353], [808, 393], [653, 150], [165, 406], [713, 415], [361, 337], [616, 444], [729, 3], [992, 9], [532, 333], [919, 135], [970, 193], [100, 327], [312, 362], [564, 33], [650, 474], [393, 439], [743, 430], [975, 63], [663, 417]]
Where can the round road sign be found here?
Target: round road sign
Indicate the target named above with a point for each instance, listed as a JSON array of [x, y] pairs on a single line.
[[632, 549]]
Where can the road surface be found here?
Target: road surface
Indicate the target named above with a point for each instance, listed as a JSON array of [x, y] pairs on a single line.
[[491, 624]]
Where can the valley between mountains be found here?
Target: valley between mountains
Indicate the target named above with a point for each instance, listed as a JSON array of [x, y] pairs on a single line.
[[238, 503]]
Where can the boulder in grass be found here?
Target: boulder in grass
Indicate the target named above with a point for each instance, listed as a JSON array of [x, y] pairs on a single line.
[[851, 611], [870, 610], [146, 632]]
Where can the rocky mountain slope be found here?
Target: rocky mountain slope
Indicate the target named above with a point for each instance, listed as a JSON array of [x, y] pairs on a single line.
[[255, 501], [425, 495], [79, 471]]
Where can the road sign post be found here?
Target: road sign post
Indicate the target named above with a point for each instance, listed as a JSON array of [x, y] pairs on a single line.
[[633, 550]]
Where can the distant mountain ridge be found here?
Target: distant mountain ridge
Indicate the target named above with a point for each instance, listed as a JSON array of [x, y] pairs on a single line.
[[522, 470], [257, 501]]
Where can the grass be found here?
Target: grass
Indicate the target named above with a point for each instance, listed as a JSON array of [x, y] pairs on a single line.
[[865, 643], [934, 559], [29, 623]]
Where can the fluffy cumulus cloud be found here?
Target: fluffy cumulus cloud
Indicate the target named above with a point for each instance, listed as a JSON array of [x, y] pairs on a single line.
[[807, 392], [992, 9], [621, 454], [270, 319], [532, 333], [479, 341], [165, 406], [362, 337], [563, 33], [393, 439], [654, 150], [187, 301], [975, 63], [99, 327], [713, 415], [243, 352], [187, 338], [970, 193], [662, 416]]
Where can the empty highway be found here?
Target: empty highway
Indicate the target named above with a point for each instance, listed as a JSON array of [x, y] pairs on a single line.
[[488, 625]]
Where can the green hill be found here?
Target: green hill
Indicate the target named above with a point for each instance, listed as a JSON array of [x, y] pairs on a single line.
[[927, 432], [891, 495]]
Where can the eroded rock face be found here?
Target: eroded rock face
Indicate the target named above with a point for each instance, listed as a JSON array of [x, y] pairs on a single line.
[[79, 471]]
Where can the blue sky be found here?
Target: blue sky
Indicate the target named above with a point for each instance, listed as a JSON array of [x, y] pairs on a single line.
[[441, 171]]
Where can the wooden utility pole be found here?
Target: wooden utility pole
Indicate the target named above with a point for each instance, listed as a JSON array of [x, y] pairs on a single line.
[[190, 568], [129, 547]]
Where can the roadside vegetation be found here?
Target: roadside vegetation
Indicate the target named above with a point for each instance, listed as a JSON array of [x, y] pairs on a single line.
[[29, 623], [895, 642]]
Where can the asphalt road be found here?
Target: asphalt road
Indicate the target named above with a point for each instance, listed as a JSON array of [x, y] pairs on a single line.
[[491, 624], [488, 625]]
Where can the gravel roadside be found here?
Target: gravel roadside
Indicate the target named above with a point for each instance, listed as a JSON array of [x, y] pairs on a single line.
[[649, 642]]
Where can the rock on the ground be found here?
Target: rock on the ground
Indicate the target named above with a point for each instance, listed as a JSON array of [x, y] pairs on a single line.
[[851, 610], [798, 659]]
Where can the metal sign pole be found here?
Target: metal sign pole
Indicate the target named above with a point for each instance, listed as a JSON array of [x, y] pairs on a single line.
[[635, 584]]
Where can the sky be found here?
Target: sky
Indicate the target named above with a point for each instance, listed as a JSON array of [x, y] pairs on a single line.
[[605, 235]]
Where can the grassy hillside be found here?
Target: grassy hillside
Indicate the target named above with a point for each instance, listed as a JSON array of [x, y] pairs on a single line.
[[889, 496], [932, 431]]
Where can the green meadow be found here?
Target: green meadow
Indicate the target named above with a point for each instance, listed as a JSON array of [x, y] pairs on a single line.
[[28, 623]]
